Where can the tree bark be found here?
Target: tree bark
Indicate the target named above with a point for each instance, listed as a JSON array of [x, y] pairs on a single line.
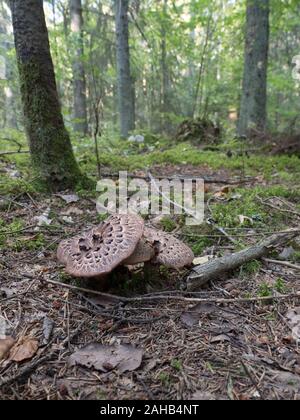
[[79, 78], [10, 101], [49, 143], [216, 268], [254, 93], [165, 85], [126, 93]]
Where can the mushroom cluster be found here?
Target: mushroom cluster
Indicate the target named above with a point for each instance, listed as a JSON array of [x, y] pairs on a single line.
[[121, 240]]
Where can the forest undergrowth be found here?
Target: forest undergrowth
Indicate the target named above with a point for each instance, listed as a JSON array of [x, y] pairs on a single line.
[[198, 349]]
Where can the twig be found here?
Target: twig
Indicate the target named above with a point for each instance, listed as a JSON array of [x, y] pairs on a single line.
[[23, 373], [13, 141], [285, 263], [14, 152], [272, 206], [15, 202], [253, 381], [172, 297], [206, 179]]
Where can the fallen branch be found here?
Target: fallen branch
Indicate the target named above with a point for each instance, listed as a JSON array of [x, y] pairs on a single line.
[[206, 179], [219, 266], [162, 297], [284, 263], [16, 152], [13, 141], [277, 208]]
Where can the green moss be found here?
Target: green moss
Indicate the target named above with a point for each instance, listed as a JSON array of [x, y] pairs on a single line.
[[296, 257], [51, 152], [265, 290], [12, 230], [250, 268], [200, 245], [227, 214], [176, 364], [280, 286], [35, 244], [165, 379], [168, 224]]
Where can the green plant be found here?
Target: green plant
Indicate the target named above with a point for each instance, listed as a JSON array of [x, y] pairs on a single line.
[[176, 364], [280, 286], [265, 290], [168, 224]]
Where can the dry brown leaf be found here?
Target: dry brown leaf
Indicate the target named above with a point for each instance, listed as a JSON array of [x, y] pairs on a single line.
[[5, 346], [220, 338], [222, 193], [105, 358], [24, 349], [194, 314]]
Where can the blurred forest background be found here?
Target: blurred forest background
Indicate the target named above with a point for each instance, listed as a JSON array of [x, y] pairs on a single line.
[[162, 89], [186, 57]]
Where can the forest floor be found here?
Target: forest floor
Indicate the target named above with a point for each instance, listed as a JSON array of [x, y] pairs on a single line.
[[188, 349]]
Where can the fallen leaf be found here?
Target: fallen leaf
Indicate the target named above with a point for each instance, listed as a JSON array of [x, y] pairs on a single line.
[[203, 396], [222, 193], [5, 346], [293, 318], [69, 198], [286, 253], [43, 219], [220, 338], [73, 210], [103, 301], [263, 339], [201, 260], [193, 315], [104, 358], [24, 350], [8, 292], [286, 380]]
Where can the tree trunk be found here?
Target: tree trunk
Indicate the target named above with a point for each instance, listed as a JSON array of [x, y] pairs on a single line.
[[126, 93], [254, 94], [79, 79], [49, 142], [165, 86], [9, 103]]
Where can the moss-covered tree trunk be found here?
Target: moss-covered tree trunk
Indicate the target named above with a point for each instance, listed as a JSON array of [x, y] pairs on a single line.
[[49, 142], [126, 93], [254, 94], [79, 79]]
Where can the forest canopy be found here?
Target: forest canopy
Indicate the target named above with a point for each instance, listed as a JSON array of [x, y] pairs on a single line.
[[186, 60]]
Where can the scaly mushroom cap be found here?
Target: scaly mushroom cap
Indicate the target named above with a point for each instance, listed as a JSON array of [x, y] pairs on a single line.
[[97, 252], [170, 251], [143, 252]]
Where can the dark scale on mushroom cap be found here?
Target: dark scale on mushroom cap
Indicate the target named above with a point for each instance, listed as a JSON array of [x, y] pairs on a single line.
[[97, 252], [170, 251]]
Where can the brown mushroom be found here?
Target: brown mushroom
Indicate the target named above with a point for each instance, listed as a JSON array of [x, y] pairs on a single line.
[[98, 251], [143, 252], [170, 251]]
